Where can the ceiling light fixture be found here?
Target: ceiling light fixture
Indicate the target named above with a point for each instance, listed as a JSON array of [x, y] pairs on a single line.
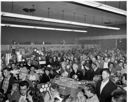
[[102, 6], [44, 28], [21, 16]]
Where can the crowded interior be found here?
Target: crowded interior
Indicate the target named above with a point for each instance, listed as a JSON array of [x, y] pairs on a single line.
[[63, 51]]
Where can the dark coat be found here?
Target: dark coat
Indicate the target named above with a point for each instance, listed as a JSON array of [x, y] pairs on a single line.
[[88, 75], [11, 81], [97, 72], [105, 95], [44, 78], [78, 73], [14, 97]]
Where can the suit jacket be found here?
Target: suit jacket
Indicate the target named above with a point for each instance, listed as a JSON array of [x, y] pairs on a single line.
[[78, 73], [97, 72], [11, 81], [44, 78], [15, 97], [88, 75], [105, 95]]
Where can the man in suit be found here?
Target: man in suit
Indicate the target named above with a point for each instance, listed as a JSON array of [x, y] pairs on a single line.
[[23, 95], [76, 74], [105, 87], [6, 83]]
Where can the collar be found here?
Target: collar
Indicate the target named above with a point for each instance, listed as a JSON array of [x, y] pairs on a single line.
[[106, 81], [23, 96]]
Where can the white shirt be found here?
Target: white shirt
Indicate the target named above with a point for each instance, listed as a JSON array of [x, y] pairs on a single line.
[[103, 85], [105, 65], [22, 99], [32, 77]]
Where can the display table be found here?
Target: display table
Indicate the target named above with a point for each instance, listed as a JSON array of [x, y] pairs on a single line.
[[68, 86]]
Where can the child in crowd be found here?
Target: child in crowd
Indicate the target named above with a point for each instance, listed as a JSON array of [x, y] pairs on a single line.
[[91, 94], [80, 96]]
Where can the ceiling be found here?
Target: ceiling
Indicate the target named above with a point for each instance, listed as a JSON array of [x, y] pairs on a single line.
[[118, 4], [64, 10]]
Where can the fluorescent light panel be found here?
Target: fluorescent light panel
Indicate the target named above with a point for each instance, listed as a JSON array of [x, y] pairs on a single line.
[[102, 6], [55, 20], [44, 28]]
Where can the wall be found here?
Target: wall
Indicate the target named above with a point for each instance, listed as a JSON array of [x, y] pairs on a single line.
[[122, 44], [25, 35], [108, 43]]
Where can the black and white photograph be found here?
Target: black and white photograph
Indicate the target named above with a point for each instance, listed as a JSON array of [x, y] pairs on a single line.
[[63, 51]]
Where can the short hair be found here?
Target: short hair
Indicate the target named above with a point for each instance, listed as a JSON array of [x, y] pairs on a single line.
[[106, 70], [91, 88], [6, 68], [119, 95], [94, 64], [23, 83], [105, 57], [125, 76], [110, 64]]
